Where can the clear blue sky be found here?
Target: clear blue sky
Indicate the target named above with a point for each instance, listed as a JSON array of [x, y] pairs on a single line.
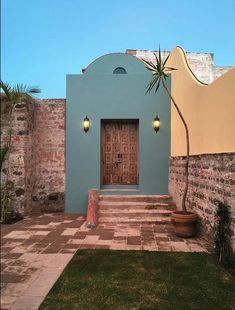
[[43, 40]]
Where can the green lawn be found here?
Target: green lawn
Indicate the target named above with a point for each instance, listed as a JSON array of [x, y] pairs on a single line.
[[105, 279]]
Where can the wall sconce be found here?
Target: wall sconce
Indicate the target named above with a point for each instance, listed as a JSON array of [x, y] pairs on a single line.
[[156, 123], [86, 124]]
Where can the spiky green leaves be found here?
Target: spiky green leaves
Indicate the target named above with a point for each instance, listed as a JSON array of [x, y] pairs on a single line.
[[159, 70], [18, 92]]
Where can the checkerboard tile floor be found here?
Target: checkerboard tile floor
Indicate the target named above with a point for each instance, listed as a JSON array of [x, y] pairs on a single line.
[[35, 251]]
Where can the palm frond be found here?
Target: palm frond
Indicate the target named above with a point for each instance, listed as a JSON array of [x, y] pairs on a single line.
[[23, 89], [18, 92], [165, 60], [153, 82], [164, 76], [33, 90], [6, 88], [22, 92], [158, 84], [170, 68], [149, 64]]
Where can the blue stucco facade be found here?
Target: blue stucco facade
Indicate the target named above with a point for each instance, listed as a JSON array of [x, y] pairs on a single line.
[[102, 95]]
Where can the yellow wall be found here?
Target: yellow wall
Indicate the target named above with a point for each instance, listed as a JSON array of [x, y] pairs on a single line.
[[209, 110]]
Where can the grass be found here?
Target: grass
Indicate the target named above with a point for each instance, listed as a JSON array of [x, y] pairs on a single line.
[[104, 279]]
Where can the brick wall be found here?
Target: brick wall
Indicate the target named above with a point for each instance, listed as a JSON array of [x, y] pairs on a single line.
[[48, 155], [37, 157], [211, 178]]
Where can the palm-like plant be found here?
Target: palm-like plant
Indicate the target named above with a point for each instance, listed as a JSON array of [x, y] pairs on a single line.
[[19, 92], [160, 72], [10, 96]]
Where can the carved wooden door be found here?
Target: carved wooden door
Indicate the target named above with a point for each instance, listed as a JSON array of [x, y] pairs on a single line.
[[119, 152]]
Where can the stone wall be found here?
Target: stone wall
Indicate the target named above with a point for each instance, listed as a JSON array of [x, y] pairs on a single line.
[[37, 155], [201, 64], [211, 178], [19, 163], [220, 70]]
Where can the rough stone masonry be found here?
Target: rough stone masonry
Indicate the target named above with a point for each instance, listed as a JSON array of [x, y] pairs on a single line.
[[37, 157], [211, 179]]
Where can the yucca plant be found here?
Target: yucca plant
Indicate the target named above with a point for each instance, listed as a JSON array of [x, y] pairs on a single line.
[[160, 72]]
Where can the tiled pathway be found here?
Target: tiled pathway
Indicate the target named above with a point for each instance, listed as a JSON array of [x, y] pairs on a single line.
[[35, 251]]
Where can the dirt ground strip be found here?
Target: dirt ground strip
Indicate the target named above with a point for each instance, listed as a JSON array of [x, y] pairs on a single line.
[[35, 251]]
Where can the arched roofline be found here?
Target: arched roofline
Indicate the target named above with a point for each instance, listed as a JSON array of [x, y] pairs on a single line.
[[114, 53]]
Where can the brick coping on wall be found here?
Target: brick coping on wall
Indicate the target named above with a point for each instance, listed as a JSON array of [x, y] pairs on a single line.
[[51, 100], [203, 154]]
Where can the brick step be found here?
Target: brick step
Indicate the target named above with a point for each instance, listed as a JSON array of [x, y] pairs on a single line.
[[137, 208], [36, 211], [135, 204], [134, 212], [135, 198], [157, 220]]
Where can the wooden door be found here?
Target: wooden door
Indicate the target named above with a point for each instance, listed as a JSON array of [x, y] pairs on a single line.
[[119, 152]]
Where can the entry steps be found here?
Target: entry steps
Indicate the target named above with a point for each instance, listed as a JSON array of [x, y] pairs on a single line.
[[135, 208]]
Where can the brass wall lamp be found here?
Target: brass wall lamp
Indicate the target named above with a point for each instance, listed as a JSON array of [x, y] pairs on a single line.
[[86, 124], [156, 123]]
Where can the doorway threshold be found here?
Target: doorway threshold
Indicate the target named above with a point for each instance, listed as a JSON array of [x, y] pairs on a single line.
[[119, 189]]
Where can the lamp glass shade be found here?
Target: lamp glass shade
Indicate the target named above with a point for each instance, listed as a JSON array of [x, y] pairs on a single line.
[[86, 124], [156, 123]]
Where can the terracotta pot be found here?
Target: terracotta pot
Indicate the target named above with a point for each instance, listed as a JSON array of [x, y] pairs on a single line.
[[184, 224]]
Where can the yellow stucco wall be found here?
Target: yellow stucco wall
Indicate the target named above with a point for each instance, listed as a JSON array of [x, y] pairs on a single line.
[[209, 110]]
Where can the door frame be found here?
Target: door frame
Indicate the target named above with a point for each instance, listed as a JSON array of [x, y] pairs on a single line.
[[121, 120]]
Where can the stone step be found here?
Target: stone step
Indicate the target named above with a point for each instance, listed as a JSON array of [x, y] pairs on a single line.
[[137, 212], [157, 220], [136, 198], [135, 208], [135, 204], [138, 208]]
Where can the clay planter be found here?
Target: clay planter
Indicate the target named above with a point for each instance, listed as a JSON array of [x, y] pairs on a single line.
[[184, 224]]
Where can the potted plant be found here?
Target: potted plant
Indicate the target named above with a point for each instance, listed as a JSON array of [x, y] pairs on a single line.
[[184, 222]]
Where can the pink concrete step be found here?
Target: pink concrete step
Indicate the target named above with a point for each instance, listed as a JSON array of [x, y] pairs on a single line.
[[138, 212], [135, 208], [105, 205], [149, 219], [135, 198]]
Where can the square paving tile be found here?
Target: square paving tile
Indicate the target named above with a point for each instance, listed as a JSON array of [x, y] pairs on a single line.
[[19, 234], [35, 251]]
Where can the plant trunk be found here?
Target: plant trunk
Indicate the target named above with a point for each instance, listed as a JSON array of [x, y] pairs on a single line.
[[187, 145]]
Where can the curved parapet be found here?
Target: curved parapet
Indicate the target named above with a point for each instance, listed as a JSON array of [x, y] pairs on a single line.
[[208, 109], [120, 62], [187, 65]]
